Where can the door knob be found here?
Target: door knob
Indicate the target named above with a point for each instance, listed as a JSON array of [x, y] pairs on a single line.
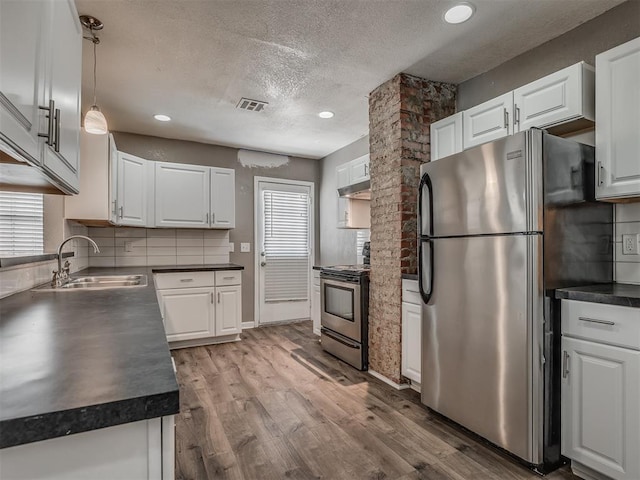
[[263, 264]]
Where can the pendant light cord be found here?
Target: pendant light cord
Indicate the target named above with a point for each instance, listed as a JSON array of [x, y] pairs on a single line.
[[94, 69]]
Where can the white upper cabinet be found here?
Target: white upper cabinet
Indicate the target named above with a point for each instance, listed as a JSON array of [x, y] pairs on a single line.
[[181, 195], [133, 178], [446, 136], [342, 175], [618, 122], [64, 79], [556, 98], [223, 198], [488, 121], [40, 83], [359, 170], [23, 26]]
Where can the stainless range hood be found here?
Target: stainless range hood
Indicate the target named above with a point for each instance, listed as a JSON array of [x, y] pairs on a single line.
[[358, 191]]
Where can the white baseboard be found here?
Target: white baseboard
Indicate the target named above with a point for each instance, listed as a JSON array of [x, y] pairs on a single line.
[[245, 325], [397, 386]]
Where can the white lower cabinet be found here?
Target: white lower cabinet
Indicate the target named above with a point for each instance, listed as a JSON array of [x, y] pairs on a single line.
[[411, 365], [601, 390], [136, 451], [316, 311], [228, 310], [196, 311]]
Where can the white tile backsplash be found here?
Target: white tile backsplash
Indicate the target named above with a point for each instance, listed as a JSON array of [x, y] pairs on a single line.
[[158, 246], [627, 221]]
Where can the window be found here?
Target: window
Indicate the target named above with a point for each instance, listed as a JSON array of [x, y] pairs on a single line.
[[21, 230]]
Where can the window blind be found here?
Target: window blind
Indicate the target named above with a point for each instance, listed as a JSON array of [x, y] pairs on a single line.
[[21, 227], [286, 246]]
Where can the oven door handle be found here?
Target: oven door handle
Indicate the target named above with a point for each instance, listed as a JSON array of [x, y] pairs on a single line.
[[339, 338]]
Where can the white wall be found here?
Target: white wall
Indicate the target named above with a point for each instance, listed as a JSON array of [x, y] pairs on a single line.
[[337, 245]]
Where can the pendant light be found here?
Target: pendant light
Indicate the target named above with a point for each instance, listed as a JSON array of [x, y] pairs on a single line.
[[94, 121]]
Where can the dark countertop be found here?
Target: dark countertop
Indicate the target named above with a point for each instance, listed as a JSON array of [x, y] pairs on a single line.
[[81, 360], [623, 294], [197, 268], [410, 276]]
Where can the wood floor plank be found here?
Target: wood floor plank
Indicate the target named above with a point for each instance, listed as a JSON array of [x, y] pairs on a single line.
[[275, 406]]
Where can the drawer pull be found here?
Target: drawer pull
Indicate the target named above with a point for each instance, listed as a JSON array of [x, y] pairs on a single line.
[[228, 278], [595, 320], [185, 280], [565, 364]]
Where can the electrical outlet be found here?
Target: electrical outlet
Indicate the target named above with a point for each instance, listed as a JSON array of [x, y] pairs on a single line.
[[630, 244], [245, 247], [232, 247]]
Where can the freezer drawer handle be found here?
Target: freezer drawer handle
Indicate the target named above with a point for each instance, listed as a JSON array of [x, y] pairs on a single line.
[[339, 338], [595, 320]]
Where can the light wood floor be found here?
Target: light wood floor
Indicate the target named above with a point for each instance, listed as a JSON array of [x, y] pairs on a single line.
[[275, 406]]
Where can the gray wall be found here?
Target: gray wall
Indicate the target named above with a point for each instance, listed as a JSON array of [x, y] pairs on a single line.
[[337, 245], [612, 28], [180, 151]]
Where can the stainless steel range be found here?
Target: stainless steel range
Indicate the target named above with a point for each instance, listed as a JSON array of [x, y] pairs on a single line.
[[344, 294]]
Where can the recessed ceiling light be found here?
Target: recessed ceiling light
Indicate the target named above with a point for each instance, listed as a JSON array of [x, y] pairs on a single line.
[[162, 118], [459, 13], [326, 114]]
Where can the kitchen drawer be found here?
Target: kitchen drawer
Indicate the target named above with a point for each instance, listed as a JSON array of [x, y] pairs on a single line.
[[602, 323], [411, 292], [184, 280], [228, 277]]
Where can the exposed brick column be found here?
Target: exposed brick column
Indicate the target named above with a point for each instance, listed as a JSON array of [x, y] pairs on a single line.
[[400, 113]]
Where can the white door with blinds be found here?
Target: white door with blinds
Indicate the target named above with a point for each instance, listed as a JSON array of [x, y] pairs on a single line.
[[284, 247]]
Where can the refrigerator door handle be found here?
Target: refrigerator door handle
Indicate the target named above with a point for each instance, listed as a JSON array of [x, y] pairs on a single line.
[[426, 295], [425, 181]]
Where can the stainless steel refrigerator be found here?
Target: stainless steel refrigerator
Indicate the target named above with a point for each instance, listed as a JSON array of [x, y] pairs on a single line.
[[501, 226]]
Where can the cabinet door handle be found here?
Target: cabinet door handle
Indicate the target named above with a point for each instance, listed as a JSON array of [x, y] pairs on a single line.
[[211, 297], [366, 170], [506, 119], [121, 211], [517, 115], [51, 125], [115, 208], [56, 117], [600, 173], [596, 320], [218, 297], [213, 218], [565, 364], [207, 218]]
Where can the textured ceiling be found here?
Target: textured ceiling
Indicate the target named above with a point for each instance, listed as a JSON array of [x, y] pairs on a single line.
[[194, 60]]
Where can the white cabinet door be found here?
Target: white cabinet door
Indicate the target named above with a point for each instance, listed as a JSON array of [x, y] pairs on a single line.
[[488, 121], [359, 170], [600, 407], [228, 310], [446, 136], [132, 190], [64, 79], [557, 98], [181, 195], [113, 179], [223, 198], [342, 175], [23, 26], [188, 313], [315, 308], [618, 121], [411, 341]]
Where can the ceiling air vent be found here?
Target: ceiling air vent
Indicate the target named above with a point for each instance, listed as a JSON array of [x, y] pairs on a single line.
[[251, 105]]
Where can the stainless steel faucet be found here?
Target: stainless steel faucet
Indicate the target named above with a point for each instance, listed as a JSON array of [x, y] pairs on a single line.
[[62, 273]]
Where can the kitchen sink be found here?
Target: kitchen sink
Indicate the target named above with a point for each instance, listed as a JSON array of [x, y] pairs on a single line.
[[98, 282]]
